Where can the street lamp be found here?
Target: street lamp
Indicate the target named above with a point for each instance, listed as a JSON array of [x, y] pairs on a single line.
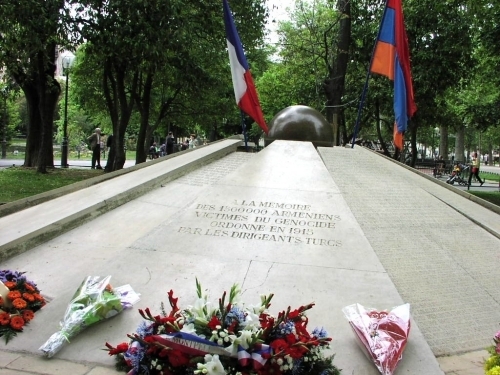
[[67, 61]]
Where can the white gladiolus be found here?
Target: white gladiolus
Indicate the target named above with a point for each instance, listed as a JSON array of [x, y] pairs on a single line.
[[245, 338], [251, 321], [213, 365]]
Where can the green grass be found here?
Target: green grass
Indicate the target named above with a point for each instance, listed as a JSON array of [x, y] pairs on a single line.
[[490, 196], [19, 182], [489, 176], [73, 155]]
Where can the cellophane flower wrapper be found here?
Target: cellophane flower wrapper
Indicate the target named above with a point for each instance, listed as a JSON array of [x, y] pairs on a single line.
[[382, 335], [93, 302]]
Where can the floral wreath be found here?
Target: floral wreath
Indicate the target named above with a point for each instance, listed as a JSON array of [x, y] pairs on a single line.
[[19, 300], [227, 338]]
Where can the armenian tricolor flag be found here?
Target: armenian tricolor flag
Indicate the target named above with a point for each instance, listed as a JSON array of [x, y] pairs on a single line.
[[391, 58]]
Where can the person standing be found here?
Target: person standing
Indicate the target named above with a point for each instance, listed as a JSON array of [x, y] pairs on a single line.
[[475, 169], [193, 142], [95, 146], [170, 141], [163, 150]]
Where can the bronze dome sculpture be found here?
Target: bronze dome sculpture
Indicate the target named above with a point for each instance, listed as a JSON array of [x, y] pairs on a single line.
[[300, 123]]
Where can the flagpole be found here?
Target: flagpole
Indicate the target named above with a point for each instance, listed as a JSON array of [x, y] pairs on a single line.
[[244, 129], [365, 88]]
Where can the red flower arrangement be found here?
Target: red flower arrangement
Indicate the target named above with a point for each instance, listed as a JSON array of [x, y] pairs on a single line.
[[226, 340], [19, 300]]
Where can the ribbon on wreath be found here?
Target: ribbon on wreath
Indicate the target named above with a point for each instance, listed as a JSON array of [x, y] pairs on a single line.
[[254, 358], [190, 344]]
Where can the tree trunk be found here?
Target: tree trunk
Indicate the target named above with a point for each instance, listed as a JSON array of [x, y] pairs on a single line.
[[48, 91], [34, 128], [443, 142], [120, 105], [141, 153], [335, 83], [42, 93], [460, 144], [145, 131]]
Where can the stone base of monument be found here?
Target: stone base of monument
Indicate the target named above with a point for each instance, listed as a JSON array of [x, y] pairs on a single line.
[[276, 223]]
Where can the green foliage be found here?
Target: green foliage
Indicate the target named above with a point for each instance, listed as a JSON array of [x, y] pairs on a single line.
[[303, 60], [8, 333], [171, 80], [80, 124], [9, 114]]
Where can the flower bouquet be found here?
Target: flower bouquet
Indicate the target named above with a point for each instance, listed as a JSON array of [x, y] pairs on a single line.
[[492, 364], [95, 300], [383, 335], [19, 300], [227, 338]]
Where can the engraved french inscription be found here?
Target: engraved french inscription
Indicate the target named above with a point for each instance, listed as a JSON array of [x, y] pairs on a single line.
[[279, 222]]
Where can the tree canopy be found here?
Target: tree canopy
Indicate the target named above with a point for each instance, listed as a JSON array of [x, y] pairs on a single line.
[[146, 67]]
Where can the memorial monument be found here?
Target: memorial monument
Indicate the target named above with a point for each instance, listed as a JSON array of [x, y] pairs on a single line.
[[273, 222]]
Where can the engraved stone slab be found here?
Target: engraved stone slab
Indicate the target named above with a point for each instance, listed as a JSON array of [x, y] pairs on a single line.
[[282, 215]]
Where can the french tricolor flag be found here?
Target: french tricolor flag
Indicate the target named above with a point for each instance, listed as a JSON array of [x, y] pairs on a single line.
[[244, 88]]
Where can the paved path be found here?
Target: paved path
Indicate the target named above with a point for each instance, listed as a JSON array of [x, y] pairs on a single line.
[[78, 163], [421, 232], [428, 242]]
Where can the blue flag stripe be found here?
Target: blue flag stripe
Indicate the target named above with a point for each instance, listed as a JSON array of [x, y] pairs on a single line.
[[232, 35]]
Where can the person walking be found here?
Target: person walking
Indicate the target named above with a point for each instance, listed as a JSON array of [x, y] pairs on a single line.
[[95, 146], [476, 162]]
